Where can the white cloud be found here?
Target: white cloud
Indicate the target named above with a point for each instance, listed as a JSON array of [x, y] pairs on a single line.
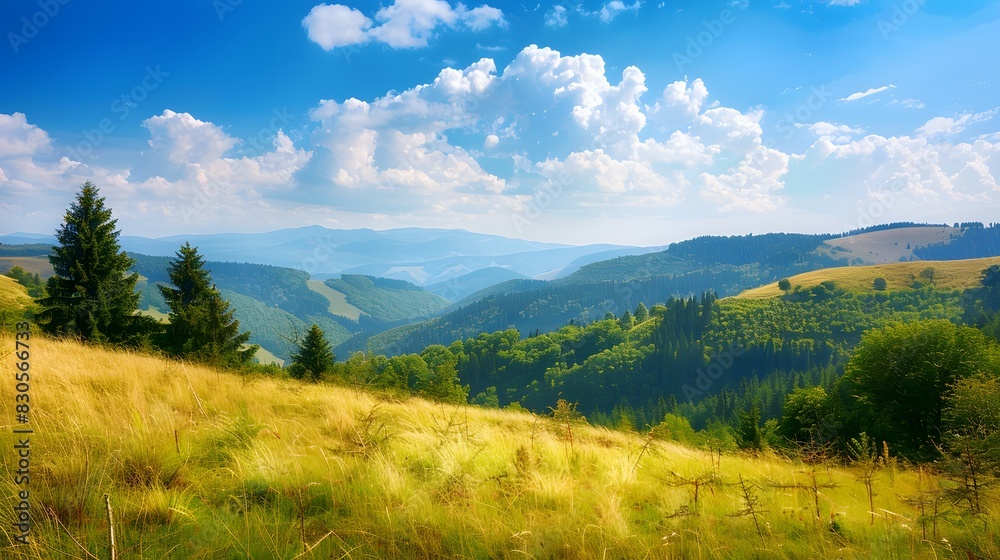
[[864, 94], [611, 10], [481, 18], [185, 139], [944, 126], [688, 100], [403, 24], [19, 138], [432, 154], [843, 2], [556, 17], [331, 26], [751, 186], [909, 103], [838, 133], [569, 123]]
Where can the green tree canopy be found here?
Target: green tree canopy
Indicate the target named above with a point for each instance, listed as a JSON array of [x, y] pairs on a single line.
[[902, 376], [806, 416], [314, 358], [90, 295], [32, 282], [641, 313]]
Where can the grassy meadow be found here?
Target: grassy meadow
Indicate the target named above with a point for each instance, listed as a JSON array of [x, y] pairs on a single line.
[[948, 275], [200, 463]]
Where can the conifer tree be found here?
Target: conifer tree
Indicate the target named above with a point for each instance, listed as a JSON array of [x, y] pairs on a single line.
[[641, 313], [314, 357], [90, 295], [202, 325]]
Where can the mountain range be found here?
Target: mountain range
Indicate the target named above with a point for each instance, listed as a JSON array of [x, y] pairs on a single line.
[[397, 291]]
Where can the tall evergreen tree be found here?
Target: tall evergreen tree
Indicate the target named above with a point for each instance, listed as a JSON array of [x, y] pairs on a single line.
[[201, 324], [314, 356], [191, 284], [90, 295]]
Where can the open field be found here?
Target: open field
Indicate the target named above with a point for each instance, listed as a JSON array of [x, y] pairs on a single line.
[[34, 265], [199, 463], [886, 246], [948, 275], [338, 301]]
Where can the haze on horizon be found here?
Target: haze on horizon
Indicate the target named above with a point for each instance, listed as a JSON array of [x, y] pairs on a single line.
[[571, 122]]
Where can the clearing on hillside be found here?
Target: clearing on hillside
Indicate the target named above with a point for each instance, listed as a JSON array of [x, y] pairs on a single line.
[[886, 246], [338, 301], [34, 265]]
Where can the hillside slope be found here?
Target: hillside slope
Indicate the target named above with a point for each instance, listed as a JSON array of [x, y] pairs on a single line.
[[943, 275], [203, 464], [14, 301], [888, 245]]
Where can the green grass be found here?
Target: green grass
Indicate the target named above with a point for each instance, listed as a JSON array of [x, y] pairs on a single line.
[[200, 463]]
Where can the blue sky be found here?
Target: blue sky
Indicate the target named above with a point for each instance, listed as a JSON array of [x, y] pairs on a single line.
[[606, 121]]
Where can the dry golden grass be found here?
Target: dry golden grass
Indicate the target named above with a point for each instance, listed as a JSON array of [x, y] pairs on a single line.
[[948, 275], [14, 300], [200, 463]]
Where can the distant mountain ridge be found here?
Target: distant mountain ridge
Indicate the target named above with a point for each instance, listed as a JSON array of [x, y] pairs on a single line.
[[418, 255]]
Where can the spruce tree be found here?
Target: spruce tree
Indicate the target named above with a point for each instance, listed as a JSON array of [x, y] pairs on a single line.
[[202, 326], [90, 295], [314, 357]]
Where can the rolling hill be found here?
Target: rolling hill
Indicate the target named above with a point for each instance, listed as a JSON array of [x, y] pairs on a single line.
[[888, 245], [384, 300], [197, 463], [14, 302], [943, 275]]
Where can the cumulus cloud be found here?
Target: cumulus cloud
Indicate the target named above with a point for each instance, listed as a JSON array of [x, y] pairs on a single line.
[[331, 26], [401, 25], [185, 139], [567, 120], [752, 185], [476, 146], [19, 138]]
